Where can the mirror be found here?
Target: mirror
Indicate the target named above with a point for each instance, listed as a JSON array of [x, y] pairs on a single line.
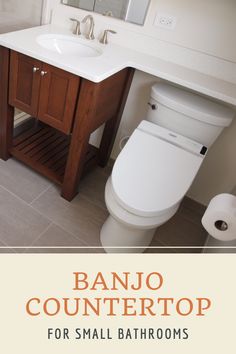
[[133, 11]]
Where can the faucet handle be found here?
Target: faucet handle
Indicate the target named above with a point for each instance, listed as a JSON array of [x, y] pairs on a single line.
[[77, 30], [104, 39]]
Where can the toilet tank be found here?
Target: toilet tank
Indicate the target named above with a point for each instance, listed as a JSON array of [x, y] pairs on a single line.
[[187, 113]]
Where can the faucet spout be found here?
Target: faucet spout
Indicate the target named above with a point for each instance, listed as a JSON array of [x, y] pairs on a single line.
[[90, 34]]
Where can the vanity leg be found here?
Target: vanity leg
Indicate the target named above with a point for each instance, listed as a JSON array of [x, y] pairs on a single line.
[[112, 125], [108, 139], [74, 168], [6, 111]]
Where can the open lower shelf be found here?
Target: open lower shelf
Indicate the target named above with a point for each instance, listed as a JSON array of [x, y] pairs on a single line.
[[45, 149]]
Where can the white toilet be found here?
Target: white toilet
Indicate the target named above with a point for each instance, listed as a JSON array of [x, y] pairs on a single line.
[[158, 164]]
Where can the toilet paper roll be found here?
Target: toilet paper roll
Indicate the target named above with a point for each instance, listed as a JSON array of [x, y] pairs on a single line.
[[220, 217]]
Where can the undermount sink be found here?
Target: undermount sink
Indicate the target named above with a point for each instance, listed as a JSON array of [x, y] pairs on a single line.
[[68, 45]]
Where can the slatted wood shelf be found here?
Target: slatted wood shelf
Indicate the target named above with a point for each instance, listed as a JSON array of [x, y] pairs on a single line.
[[46, 150]]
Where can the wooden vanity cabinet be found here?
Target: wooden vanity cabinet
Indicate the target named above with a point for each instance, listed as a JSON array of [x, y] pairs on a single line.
[[68, 110], [43, 91], [24, 84]]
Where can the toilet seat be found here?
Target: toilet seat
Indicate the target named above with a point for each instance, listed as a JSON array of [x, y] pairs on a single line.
[[130, 219], [151, 175]]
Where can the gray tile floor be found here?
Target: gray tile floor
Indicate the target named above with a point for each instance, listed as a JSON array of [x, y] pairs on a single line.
[[32, 214]]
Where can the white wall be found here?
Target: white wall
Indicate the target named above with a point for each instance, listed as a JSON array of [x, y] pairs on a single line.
[[27, 10], [204, 25], [203, 40], [218, 173]]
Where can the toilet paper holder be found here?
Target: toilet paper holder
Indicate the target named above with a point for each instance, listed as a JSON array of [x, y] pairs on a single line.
[[221, 225]]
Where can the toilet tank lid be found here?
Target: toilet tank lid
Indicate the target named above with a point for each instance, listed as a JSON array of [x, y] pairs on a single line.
[[192, 104]]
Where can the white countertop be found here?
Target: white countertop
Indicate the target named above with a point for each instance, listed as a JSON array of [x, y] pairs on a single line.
[[113, 59]]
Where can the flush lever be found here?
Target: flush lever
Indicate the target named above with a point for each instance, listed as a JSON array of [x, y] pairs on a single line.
[[153, 106]]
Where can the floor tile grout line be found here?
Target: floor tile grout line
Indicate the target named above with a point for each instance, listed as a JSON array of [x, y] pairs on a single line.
[[60, 226], [29, 206], [176, 246], [92, 202], [54, 222], [41, 234], [36, 198], [6, 245], [73, 235], [192, 221], [34, 208], [20, 199], [31, 244], [162, 243]]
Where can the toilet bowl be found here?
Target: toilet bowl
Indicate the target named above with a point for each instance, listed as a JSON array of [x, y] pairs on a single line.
[[157, 166]]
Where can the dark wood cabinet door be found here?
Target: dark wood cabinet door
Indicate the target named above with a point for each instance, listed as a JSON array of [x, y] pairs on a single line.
[[58, 98], [24, 83]]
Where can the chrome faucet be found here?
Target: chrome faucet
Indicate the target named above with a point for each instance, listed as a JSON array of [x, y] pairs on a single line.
[[90, 34], [104, 39], [77, 27]]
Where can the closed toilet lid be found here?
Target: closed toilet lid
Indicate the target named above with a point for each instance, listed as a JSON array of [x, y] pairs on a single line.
[[152, 175]]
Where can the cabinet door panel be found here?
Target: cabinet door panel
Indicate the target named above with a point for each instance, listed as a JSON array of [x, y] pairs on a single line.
[[58, 97], [24, 83]]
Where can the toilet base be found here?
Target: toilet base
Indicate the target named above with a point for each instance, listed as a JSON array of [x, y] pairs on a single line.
[[115, 234]]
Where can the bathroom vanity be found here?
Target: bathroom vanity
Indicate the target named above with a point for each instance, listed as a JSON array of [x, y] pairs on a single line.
[[67, 109], [72, 86]]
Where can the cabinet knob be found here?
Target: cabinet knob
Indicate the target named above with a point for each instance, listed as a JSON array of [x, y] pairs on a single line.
[[35, 69], [43, 73]]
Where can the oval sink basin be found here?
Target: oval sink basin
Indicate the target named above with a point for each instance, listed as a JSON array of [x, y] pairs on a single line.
[[67, 45]]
